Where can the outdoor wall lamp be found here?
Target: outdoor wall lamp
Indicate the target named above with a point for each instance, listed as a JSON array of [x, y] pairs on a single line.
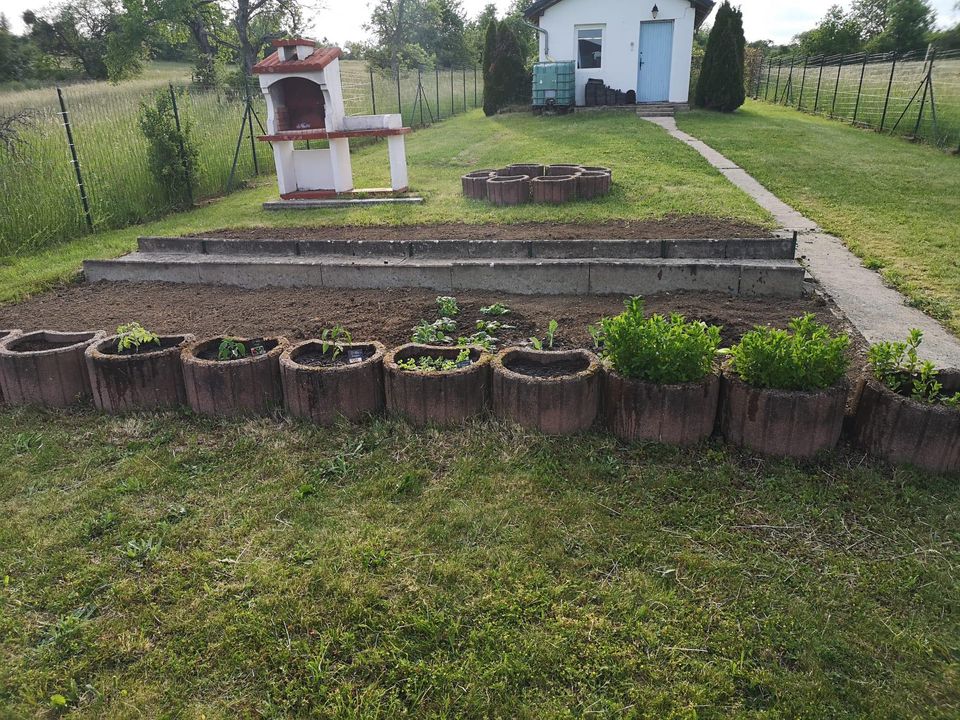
[[655, 12]]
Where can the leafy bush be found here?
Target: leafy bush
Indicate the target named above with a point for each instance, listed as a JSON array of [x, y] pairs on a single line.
[[808, 358], [172, 155], [656, 349], [447, 306], [898, 366]]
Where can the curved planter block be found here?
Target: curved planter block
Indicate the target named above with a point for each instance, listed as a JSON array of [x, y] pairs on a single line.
[[554, 189], [248, 386], [5, 335], [508, 189], [322, 393], [901, 430], [597, 168], [475, 184], [679, 414], [592, 184], [148, 380], [561, 405], [531, 170], [782, 422], [444, 398], [54, 377], [563, 169]]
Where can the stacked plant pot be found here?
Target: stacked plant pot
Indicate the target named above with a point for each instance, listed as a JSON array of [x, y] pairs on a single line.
[[593, 183], [245, 386], [555, 392], [149, 378], [443, 398], [901, 430], [45, 367], [554, 189], [4, 335], [323, 385], [675, 414], [504, 190], [475, 184]]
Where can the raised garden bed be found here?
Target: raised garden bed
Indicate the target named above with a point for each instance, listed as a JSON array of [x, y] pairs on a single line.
[[445, 397], [248, 385], [508, 189], [676, 414], [475, 184], [4, 335], [902, 430], [342, 381], [148, 378], [592, 184], [555, 392], [554, 189], [45, 367]]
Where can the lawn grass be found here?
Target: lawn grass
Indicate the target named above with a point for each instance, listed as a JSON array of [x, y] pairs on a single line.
[[895, 204], [653, 176], [180, 567]]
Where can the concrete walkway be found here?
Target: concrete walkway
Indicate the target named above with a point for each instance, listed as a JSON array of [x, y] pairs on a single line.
[[876, 310]]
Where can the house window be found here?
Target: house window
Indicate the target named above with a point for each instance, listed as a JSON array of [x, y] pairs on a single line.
[[589, 46]]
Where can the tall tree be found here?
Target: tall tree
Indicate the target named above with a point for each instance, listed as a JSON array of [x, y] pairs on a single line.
[[838, 32], [720, 86], [414, 33], [908, 26], [491, 97]]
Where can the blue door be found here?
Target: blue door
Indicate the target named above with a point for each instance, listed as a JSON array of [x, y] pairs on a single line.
[[656, 50]]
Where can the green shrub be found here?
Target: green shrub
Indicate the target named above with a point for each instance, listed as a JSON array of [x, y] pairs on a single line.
[[898, 366], [172, 155], [656, 349], [809, 357], [720, 85]]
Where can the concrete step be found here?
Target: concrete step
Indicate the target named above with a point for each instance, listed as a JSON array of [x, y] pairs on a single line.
[[637, 276], [771, 248]]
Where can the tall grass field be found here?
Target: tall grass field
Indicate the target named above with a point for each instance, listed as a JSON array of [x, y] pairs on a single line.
[[42, 202]]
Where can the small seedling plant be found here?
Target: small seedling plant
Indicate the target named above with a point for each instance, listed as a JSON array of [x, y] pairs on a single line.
[[134, 336], [547, 342], [657, 349], [496, 310], [898, 366], [231, 349], [482, 338], [333, 339], [435, 333], [447, 306], [805, 357], [426, 363]]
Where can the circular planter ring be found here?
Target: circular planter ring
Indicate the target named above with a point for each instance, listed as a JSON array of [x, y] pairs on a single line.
[[563, 169], [562, 405], [444, 398], [475, 184], [148, 380], [531, 170], [592, 184], [675, 414], [4, 335], [786, 423], [322, 393], [597, 168], [901, 430], [554, 189], [508, 189], [56, 377], [248, 386]]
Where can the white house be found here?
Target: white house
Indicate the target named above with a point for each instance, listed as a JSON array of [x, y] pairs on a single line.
[[640, 45]]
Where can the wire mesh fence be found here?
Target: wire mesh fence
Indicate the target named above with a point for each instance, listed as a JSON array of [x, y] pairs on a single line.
[[916, 95], [42, 202]]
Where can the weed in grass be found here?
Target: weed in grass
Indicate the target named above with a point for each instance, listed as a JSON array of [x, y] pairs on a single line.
[[143, 550]]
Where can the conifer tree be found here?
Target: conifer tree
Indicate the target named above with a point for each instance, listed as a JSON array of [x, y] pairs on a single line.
[[720, 86], [490, 102]]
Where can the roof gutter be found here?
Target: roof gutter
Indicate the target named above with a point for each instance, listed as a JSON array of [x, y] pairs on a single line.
[[546, 37]]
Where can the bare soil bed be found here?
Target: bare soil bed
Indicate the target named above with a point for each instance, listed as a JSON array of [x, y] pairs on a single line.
[[671, 226]]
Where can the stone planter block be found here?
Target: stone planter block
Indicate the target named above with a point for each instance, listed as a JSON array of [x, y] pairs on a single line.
[[148, 380], [554, 189], [508, 189], [54, 378], [475, 184], [901, 430], [597, 168], [323, 393], [563, 169], [563, 405], [444, 398], [782, 422], [679, 414], [4, 335], [592, 184], [531, 170], [248, 386]]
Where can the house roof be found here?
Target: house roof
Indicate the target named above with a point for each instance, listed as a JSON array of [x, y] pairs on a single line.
[[703, 8], [320, 58]]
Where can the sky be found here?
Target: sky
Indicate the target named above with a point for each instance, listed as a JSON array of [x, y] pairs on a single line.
[[763, 19]]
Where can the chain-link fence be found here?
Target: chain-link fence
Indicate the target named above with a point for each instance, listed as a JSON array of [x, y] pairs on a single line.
[[916, 95], [43, 202]]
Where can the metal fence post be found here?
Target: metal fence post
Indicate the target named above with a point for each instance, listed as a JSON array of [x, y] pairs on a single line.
[[474, 85], [436, 71], [836, 88], [373, 92], [399, 102], [863, 69], [183, 151], [75, 161], [803, 81], [766, 85], [886, 102], [464, 89], [816, 99], [776, 90], [453, 110], [927, 84], [788, 86]]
